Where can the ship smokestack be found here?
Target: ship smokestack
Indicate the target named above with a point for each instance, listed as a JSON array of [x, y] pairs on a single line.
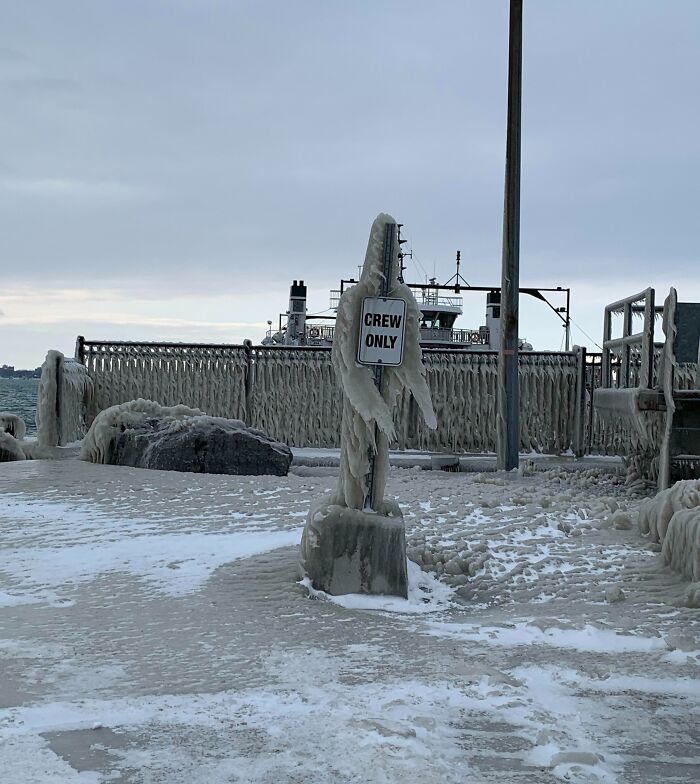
[[296, 315], [493, 318]]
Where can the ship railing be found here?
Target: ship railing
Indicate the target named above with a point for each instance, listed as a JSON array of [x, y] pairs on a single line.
[[423, 297], [428, 297], [334, 299], [474, 337], [320, 333]]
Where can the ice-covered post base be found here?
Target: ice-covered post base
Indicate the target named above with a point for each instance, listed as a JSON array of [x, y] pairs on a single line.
[[347, 550]]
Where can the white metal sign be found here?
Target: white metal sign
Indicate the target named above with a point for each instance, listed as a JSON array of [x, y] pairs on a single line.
[[382, 331]]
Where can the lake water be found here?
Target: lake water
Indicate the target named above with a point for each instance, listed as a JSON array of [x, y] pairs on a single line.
[[18, 396]]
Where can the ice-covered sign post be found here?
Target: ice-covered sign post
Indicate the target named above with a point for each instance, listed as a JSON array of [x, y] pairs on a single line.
[[354, 540]]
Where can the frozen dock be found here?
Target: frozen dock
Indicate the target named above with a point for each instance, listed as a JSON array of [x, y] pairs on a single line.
[[152, 630]]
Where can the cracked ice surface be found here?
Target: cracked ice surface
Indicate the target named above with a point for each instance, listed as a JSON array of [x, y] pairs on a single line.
[[152, 629]]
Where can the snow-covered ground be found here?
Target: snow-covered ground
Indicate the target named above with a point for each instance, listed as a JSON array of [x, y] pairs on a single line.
[[153, 629]]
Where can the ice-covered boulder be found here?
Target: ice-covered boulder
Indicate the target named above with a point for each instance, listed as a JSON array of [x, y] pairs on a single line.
[[12, 424], [143, 434], [10, 448]]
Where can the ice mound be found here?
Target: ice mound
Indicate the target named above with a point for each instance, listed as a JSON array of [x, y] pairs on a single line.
[[10, 448], [672, 518], [144, 434], [12, 424]]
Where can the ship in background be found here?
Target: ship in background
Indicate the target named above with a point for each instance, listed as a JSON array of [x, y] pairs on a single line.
[[441, 304]]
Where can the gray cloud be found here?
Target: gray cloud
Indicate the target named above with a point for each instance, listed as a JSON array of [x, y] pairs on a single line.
[[228, 145]]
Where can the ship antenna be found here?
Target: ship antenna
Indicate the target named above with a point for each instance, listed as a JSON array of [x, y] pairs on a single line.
[[402, 255], [457, 277]]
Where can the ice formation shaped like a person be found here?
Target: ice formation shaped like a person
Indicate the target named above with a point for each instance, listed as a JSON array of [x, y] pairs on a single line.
[[363, 405]]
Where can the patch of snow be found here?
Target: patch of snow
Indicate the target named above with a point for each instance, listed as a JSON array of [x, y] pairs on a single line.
[[175, 564], [426, 594], [589, 639], [27, 759]]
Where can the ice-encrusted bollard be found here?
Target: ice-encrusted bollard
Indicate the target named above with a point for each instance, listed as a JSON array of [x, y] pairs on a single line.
[[354, 541]]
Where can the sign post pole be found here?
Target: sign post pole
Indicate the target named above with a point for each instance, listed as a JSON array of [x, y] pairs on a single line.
[[354, 541], [388, 258]]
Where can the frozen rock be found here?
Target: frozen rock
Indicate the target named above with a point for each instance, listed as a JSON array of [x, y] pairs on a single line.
[[346, 550], [12, 424], [414, 554], [692, 596], [575, 758], [142, 434], [613, 594], [453, 567], [621, 520], [10, 448]]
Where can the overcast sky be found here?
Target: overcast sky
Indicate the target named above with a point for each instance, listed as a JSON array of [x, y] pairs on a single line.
[[167, 168]]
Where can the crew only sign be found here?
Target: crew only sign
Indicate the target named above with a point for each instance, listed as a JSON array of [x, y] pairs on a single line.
[[382, 331]]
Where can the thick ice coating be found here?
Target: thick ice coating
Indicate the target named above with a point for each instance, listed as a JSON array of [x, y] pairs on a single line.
[[10, 448], [98, 442], [672, 518], [12, 424], [363, 405], [63, 393], [666, 369]]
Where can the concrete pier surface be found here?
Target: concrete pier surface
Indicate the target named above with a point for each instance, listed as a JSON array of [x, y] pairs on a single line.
[[153, 629]]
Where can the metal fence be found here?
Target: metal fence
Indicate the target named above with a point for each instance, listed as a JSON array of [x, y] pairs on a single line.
[[292, 394], [206, 376]]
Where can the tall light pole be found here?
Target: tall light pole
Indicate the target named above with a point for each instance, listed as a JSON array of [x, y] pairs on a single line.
[[508, 386]]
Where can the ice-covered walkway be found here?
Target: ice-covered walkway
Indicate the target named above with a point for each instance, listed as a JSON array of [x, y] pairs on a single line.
[[152, 630]]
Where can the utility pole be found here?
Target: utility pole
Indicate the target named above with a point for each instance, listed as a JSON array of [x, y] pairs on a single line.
[[508, 386]]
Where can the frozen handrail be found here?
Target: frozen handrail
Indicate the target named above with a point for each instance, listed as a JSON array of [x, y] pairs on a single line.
[[643, 339]]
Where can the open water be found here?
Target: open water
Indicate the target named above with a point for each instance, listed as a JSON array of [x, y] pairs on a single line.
[[18, 396]]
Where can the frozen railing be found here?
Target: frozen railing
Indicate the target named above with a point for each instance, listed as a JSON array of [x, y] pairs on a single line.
[[645, 408], [612, 438], [292, 394], [208, 376], [463, 386], [294, 397], [639, 345]]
